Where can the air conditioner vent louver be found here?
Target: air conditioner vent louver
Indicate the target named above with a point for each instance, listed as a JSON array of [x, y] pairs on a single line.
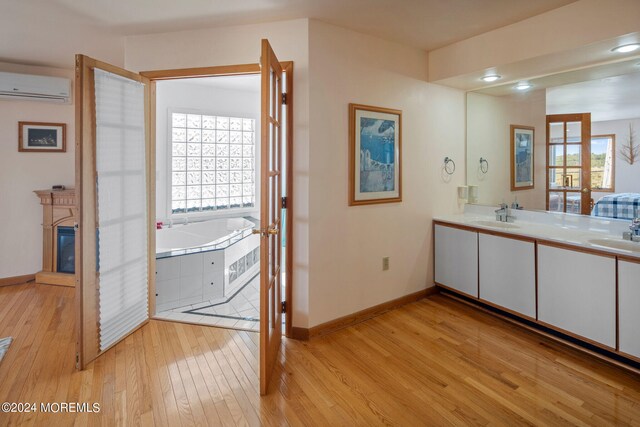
[[37, 88]]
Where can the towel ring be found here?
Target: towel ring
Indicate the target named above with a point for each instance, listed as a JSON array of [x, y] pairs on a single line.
[[447, 166], [484, 165]]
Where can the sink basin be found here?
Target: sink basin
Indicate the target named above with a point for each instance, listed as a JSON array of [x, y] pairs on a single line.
[[616, 244], [497, 224]]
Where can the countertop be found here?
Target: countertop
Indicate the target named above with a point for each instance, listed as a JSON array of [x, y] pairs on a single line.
[[594, 236]]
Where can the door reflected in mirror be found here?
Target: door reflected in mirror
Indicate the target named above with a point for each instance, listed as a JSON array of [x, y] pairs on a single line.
[[585, 131]]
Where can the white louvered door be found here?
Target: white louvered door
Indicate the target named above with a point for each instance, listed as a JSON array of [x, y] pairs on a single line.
[[115, 210]]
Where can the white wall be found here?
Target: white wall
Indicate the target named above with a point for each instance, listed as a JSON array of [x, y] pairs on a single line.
[[627, 176], [49, 33], [488, 136], [191, 96], [241, 45], [338, 249], [346, 244], [21, 173]]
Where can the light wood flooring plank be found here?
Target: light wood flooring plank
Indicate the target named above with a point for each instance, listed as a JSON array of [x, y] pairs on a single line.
[[433, 362]]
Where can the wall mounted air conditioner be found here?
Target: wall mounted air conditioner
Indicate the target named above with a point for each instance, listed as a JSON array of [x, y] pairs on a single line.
[[36, 88]]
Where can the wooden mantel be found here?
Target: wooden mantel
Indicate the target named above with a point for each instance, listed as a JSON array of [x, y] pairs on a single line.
[[58, 209]]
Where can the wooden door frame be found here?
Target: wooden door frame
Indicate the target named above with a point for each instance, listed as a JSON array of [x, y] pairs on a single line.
[[238, 70], [585, 175]]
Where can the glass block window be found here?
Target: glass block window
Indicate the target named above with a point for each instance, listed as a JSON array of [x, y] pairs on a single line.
[[212, 163]]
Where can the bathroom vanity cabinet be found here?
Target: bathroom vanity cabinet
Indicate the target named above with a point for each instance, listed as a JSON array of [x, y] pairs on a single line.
[[629, 312], [456, 259], [585, 293], [577, 293], [508, 273]]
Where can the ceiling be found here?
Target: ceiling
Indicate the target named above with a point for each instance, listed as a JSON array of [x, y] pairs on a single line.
[[609, 98], [41, 29], [427, 24], [609, 91]]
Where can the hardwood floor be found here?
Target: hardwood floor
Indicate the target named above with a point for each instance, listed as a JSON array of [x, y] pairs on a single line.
[[433, 362]]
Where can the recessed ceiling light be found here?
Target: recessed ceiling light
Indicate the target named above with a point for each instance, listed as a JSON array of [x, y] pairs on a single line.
[[523, 86], [625, 48], [490, 78]]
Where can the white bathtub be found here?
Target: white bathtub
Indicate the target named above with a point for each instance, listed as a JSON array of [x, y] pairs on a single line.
[[197, 234], [204, 261]]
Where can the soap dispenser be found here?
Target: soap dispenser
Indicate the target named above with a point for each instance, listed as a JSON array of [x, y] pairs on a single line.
[[515, 205]]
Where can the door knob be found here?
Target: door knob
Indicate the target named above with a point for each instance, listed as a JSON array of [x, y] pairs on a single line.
[[272, 231], [585, 190]]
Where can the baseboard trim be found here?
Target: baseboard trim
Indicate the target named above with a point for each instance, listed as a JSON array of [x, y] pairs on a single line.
[[359, 316], [301, 334], [17, 280]]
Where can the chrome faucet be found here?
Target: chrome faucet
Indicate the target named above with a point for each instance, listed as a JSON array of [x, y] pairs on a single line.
[[634, 233], [502, 214]]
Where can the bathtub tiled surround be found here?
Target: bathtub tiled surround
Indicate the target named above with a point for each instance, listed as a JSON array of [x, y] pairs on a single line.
[[188, 274], [239, 311]]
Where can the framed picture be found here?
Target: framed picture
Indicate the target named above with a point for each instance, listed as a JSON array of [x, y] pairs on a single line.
[[522, 164], [42, 137], [375, 155]]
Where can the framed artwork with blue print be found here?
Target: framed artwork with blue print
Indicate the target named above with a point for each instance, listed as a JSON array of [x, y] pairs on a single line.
[[522, 163], [375, 155]]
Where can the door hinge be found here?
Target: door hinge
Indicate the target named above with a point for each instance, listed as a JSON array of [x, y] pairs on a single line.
[[284, 203], [77, 360], [283, 305], [284, 98]]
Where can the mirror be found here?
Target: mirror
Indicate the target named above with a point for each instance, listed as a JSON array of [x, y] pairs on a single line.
[[500, 161]]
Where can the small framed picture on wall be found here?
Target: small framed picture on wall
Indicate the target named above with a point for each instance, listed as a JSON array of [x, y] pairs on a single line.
[[42, 137]]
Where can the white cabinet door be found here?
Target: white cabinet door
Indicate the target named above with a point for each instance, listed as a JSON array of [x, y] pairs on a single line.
[[629, 311], [508, 273], [577, 292], [456, 264]]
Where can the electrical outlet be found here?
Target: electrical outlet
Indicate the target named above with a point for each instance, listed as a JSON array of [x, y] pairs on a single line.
[[385, 263]]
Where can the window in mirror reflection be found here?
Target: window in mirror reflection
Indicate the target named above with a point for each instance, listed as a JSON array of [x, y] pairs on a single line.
[[574, 155], [556, 133], [603, 162], [574, 130]]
